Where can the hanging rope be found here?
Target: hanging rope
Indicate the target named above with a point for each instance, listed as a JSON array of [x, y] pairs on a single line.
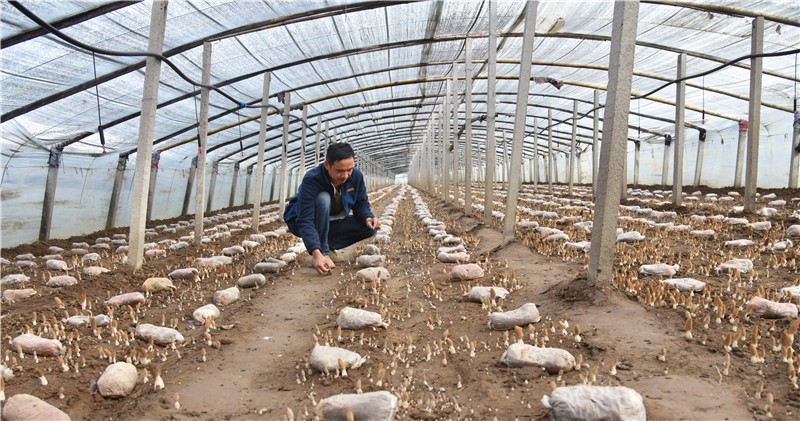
[[97, 95], [241, 146], [703, 85], [197, 119]]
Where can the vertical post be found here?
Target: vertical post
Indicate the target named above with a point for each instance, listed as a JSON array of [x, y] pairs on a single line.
[[491, 93], [572, 147], [698, 166], [151, 190], [680, 104], [262, 136], [737, 178], [510, 219], [247, 184], [468, 128], [550, 163], [50, 193], [794, 163], [302, 170], [212, 187], [273, 181], [505, 158], [637, 151], [754, 114], [327, 135], [665, 163], [155, 44], [446, 139], [595, 143], [615, 134], [535, 158], [284, 155], [114, 202], [316, 140], [454, 133], [199, 192], [187, 195], [233, 184]]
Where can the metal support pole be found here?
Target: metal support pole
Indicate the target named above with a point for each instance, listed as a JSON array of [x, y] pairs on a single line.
[[302, 170], [284, 155], [754, 114], [199, 192], [505, 159], [273, 181], [151, 191], [468, 128], [155, 44], [550, 163], [233, 184], [114, 202], [187, 195], [698, 166], [637, 145], [680, 103], [491, 94], [317, 154], [510, 219], [54, 162], [447, 133], [327, 136], [535, 158], [212, 187], [665, 165], [794, 163], [262, 136], [595, 142], [737, 178], [615, 134], [572, 147], [454, 133], [247, 184]]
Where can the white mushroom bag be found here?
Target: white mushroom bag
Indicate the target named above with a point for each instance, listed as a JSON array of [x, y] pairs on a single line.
[[607, 403], [523, 316], [353, 318], [551, 359], [327, 358], [372, 406]]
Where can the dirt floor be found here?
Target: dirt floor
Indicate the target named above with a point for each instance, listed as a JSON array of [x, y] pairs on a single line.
[[257, 364]]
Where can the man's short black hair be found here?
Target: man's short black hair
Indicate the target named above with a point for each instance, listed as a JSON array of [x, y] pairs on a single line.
[[338, 152]]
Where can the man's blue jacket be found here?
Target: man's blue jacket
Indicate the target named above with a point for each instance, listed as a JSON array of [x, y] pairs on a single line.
[[300, 209]]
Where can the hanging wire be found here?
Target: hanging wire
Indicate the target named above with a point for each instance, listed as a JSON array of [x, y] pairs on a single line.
[[703, 85], [97, 95], [241, 145], [197, 119]]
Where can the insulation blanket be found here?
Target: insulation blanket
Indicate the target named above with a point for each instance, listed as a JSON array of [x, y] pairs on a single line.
[[587, 403], [372, 406], [326, 358], [551, 359], [523, 316]]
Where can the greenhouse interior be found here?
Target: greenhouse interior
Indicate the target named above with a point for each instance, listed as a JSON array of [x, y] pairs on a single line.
[[410, 210]]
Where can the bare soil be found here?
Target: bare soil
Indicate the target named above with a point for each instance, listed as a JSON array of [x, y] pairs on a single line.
[[256, 367]]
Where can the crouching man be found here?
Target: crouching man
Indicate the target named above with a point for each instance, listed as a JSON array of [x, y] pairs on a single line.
[[320, 213]]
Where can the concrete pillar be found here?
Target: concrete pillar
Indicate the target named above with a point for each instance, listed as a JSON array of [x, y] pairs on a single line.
[[595, 142], [636, 154], [247, 184], [273, 181], [555, 167], [698, 166], [510, 219], [233, 184], [318, 153], [572, 146], [447, 140], [114, 202], [327, 136], [579, 173], [505, 159], [151, 191], [212, 188], [199, 191], [302, 170], [491, 94], [155, 44], [550, 166], [754, 114], [187, 195], [454, 133], [284, 155], [737, 178], [794, 163], [623, 192], [535, 158], [615, 134], [54, 162], [680, 104], [262, 136], [468, 128]]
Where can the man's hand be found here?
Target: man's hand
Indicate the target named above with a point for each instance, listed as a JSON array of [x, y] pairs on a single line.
[[373, 223], [320, 262]]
